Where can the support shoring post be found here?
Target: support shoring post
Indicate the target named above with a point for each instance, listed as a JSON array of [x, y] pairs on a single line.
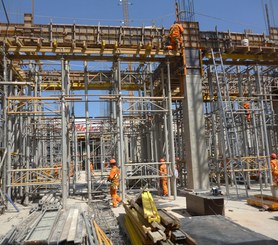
[[165, 144], [75, 148], [179, 144], [213, 126], [171, 133], [17, 144], [28, 138], [35, 132], [22, 144], [121, 134], [51, 138], [64, 138], [264, 129], [244, 125], [147, 144], [9, 140], [5, 121], [255, 133], [152, 132], [102, 157], [67, 117], [88, 172], [166, 131]]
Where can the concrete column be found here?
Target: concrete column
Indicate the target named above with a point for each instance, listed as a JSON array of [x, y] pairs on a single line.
[[194, 125]]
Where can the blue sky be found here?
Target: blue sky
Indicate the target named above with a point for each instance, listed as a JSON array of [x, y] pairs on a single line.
[[235, 15]]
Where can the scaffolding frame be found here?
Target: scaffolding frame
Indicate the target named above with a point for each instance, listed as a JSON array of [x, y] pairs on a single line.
[[148, 125]]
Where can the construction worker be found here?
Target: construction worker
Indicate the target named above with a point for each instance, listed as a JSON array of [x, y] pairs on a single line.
[[274, 169], [175, 36], [92, 168], [114, 178], [56, 171], [177, 169], [163, 179], [246, 106]]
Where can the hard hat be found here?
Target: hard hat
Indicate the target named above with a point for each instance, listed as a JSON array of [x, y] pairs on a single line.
[[273, 156], [112, 161], [162, 160]]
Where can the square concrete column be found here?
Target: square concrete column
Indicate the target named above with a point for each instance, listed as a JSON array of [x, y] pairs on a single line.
[[196, 153]]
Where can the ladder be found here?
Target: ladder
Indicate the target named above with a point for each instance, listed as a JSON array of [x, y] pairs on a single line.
[[227, 117]]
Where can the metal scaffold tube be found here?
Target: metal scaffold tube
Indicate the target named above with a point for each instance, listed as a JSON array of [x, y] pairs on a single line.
[[171, 133], [88, 153], [64, 138]]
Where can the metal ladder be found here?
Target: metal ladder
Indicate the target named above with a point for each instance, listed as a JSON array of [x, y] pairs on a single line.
[[227, 117]]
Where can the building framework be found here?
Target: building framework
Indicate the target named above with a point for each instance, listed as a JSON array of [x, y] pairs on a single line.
[[187, 104]]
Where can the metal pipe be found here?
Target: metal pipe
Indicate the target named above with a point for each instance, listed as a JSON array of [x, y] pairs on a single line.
[[64, 138], [89, 181], [171, 133]]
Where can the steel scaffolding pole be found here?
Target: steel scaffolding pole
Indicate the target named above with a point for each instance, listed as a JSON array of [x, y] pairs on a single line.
[[67, 117], [28, 139], [5, 121], [214, 151], [121, 149], [9, 142], [263, 122], [74, 149], [64, 138], [171, 133], [166, 130], [88, 173]]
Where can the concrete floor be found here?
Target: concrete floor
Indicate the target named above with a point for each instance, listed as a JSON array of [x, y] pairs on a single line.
[[236, 210]]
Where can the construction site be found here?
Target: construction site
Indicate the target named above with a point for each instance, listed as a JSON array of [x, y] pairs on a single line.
[[171, 140]]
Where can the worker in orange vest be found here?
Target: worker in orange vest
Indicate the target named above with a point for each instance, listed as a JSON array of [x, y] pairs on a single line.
[[246, 106], [274, 169], [163, 179], [92, 168], [175, 36], [114, 178]]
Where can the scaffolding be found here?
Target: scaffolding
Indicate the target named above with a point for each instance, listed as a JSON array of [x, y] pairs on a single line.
[[219, 105]]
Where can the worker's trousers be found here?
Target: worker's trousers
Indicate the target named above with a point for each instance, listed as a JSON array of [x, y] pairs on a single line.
[[164, 184], [275, 177], [115, 197]]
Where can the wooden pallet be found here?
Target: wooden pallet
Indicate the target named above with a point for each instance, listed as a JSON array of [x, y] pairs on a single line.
[[263, 201]]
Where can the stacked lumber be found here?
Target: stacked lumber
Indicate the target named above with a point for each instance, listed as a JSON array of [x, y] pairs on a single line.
[[147, 225]]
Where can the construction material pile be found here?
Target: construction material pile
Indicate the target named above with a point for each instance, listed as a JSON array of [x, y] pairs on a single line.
[[107, 221], [56, 226], [48, 202], [264, 201], [147, 225]]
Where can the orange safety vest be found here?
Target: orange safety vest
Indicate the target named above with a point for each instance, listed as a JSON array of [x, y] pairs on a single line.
[[92, 167], [176, 30], [246, 106], [274, 166], [163, 169], [114, 177]]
